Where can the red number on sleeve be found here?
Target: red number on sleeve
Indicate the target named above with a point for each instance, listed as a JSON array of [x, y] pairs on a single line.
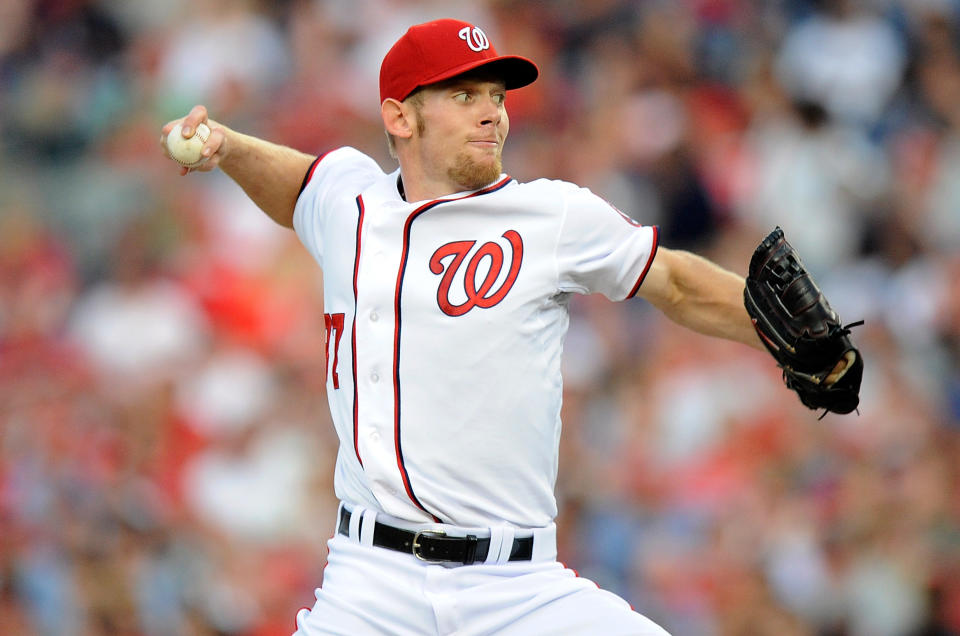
[[334, 323]]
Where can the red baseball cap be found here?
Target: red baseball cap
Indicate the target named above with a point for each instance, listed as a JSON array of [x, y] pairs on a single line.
[[434, 51]]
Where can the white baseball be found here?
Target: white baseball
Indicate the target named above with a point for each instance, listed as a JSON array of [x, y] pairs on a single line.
[[186, 151]]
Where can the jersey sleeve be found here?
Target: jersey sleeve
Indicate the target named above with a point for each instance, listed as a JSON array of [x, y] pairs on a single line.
[[338, 173], [601, 249]]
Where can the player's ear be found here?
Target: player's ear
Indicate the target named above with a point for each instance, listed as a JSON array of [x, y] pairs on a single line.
[[398, 120]]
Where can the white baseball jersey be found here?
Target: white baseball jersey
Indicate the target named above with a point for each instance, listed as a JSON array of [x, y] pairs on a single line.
[[445, 322]]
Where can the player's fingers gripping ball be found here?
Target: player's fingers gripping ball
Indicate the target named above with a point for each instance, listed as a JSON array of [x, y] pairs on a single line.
[[800, 329], [187, 151]]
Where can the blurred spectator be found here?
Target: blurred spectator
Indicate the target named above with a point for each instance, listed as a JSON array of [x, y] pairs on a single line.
[[816, 178], [223, 52], [136, 327], [845, 58]]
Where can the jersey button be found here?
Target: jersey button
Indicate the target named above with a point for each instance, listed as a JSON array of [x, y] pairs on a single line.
[[374, 378], [374, 436], [374, 316]]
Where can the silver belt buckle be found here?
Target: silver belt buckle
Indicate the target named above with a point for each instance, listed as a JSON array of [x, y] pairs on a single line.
[[416, 544]]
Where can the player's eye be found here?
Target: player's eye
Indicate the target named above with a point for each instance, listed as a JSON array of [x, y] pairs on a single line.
[[462, 97], [499, 98]]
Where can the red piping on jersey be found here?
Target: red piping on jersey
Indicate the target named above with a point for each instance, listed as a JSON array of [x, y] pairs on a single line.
[[310, 171], [396, 334], [646, 268], [353, 334]]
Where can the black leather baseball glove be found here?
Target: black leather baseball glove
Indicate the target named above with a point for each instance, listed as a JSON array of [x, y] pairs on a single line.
[[800, 329]]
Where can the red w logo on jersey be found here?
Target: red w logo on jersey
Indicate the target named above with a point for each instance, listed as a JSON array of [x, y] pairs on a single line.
[[482, 295]]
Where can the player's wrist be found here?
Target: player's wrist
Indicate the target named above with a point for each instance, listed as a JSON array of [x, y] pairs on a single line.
[[232, 145]]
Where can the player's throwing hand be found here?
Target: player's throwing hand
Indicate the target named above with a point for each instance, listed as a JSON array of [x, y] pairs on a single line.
[[201, 145]]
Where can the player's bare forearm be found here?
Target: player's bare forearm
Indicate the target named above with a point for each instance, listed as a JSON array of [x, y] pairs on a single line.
[[700, 295], [269, 173]]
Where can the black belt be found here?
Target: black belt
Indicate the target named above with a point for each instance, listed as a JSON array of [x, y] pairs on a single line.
[[435, 546]]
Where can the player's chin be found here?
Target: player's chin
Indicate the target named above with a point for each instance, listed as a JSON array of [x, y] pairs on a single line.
[[473, 175], [490, 160]]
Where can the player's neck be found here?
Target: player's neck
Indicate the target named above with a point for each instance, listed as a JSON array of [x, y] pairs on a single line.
[[415, 185], [424, 189]]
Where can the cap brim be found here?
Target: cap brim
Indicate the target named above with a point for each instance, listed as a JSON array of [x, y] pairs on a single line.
[[516, 71]]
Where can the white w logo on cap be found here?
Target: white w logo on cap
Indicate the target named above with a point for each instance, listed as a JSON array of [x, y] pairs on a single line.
[[475, 38]]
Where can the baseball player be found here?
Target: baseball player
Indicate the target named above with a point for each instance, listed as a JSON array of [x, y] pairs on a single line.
[[446, 291]]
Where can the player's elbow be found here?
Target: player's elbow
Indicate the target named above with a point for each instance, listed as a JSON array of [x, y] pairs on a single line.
[[663, 287]]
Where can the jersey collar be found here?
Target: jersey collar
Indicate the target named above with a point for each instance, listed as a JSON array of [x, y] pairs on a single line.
[[493, 185]]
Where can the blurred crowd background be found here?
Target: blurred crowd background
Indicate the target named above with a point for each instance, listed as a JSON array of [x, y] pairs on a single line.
[[166, 451]]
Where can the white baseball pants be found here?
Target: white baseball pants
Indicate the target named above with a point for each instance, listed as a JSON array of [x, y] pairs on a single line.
[[368, 590]]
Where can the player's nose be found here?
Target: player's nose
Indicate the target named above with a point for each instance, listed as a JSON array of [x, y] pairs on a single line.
[[490, 112]]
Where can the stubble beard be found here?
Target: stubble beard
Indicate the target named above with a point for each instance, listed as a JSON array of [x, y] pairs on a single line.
[[466, 172], [472, 175]]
